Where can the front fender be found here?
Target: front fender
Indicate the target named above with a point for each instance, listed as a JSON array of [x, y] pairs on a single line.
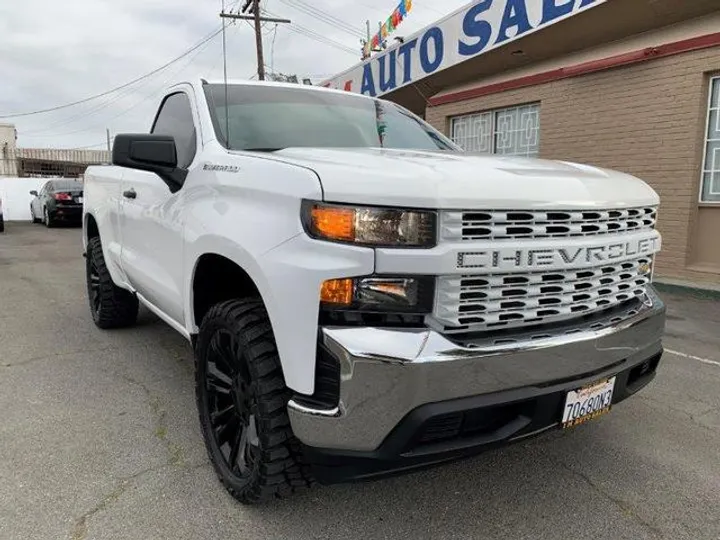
[[289, 278], [294, 272]]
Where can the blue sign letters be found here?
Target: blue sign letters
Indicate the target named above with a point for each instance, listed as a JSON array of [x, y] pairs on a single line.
[[515, 16], [551, 10], [406, 53], [481, 27], [368, 82], [437, 37], [476, 29], [389, 82]]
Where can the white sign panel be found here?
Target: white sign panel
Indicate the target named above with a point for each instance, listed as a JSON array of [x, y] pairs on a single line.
[[477, 28]]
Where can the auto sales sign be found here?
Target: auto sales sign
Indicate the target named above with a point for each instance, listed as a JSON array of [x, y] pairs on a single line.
[[479, 27]]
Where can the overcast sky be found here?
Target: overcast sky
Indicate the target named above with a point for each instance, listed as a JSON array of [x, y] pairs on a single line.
[[53, 53]]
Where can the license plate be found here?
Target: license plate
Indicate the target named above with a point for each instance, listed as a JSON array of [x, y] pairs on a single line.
[[587, 403], [79, 199]]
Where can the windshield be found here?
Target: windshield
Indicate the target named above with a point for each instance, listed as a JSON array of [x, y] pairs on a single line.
[[67, 184], [271, 118]]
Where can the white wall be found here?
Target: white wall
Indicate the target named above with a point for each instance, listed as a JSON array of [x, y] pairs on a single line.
[[15, 195]]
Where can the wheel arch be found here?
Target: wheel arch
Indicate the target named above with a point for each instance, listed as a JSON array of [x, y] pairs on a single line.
[[295, 344], [217, 278], [90, 228], [288, 278]]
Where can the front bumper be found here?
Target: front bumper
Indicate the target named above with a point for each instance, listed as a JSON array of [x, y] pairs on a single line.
[[389, 375]]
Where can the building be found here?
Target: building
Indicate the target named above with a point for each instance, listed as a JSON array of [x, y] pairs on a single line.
[[43, 162], [632, 85]]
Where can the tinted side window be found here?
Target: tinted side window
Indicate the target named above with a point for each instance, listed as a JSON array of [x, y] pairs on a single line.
[[175, 118]]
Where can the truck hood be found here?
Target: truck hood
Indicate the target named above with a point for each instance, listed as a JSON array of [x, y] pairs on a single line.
[[455, 180]]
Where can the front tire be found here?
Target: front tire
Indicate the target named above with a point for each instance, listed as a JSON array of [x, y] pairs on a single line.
[[242, 403], [111, 306], [32, 214]]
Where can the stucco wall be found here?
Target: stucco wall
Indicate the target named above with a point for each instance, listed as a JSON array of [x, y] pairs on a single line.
[[15, 195]]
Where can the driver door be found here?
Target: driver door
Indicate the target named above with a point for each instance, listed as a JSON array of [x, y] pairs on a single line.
[[152, 220]]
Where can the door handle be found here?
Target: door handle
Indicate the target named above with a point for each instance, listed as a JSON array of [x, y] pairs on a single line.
[[130, 193]]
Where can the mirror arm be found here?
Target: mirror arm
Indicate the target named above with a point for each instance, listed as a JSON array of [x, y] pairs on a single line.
[[174, 178]]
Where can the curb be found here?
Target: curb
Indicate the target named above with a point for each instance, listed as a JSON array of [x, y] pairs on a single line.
[[689, 290]]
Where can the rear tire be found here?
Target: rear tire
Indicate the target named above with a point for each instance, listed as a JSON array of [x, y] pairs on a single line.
[[111, 306], [2, 223], [49, 223], [242, 403]]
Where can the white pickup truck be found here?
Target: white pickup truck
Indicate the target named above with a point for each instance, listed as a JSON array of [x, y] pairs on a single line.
[[363, 297]]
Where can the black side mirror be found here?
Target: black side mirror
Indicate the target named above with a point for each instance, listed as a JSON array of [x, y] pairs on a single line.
[[153, 153], [34, 193]]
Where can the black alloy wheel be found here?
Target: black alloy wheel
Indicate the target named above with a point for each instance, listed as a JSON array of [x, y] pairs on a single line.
[[110, 305], [242, 403], [232, 405], [93, 282]]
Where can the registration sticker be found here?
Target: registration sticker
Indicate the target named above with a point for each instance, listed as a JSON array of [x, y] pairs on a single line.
[[588, 402]]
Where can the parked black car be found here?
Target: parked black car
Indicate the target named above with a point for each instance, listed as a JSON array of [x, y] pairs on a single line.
[[58, 200], [2, 219]]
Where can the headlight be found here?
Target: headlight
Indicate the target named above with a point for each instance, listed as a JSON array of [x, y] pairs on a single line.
[[379, 294], [370, 226]]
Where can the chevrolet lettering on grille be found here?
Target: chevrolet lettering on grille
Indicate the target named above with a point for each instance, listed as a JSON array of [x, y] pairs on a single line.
[[564, 257]]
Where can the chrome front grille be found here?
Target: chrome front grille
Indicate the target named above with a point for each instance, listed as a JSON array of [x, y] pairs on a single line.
[[470, 303], [470, 225]]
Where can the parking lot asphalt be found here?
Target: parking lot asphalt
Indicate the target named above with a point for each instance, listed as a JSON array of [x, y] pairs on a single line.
[[99, 439]]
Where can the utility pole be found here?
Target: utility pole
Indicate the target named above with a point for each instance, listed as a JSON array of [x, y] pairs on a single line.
[[367, 46], [258, 41], [255, 4], [107, 130]]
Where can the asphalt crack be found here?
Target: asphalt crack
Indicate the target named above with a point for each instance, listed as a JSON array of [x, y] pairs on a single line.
[[693, 418], [80, 528], [175, 454], [624, 506], [56, 355]]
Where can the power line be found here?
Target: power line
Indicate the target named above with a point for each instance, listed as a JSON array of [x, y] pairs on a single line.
[[105, 104], [96, 96], [324, 17], [153, 94], [272, 48], [335, 21], [312, 34], [415, 5], [301, 30], [90, 146]]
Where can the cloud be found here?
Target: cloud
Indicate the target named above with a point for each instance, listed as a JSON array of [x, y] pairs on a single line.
[[58, 52]]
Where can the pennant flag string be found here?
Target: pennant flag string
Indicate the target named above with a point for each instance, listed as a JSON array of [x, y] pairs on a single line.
[[393, 21]]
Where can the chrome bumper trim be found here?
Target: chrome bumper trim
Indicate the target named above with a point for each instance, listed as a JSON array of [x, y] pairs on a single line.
[[386, 373]]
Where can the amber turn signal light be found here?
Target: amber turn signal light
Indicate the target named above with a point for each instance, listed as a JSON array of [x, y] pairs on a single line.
[[333, 222], [371, 226], [337, 292]]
